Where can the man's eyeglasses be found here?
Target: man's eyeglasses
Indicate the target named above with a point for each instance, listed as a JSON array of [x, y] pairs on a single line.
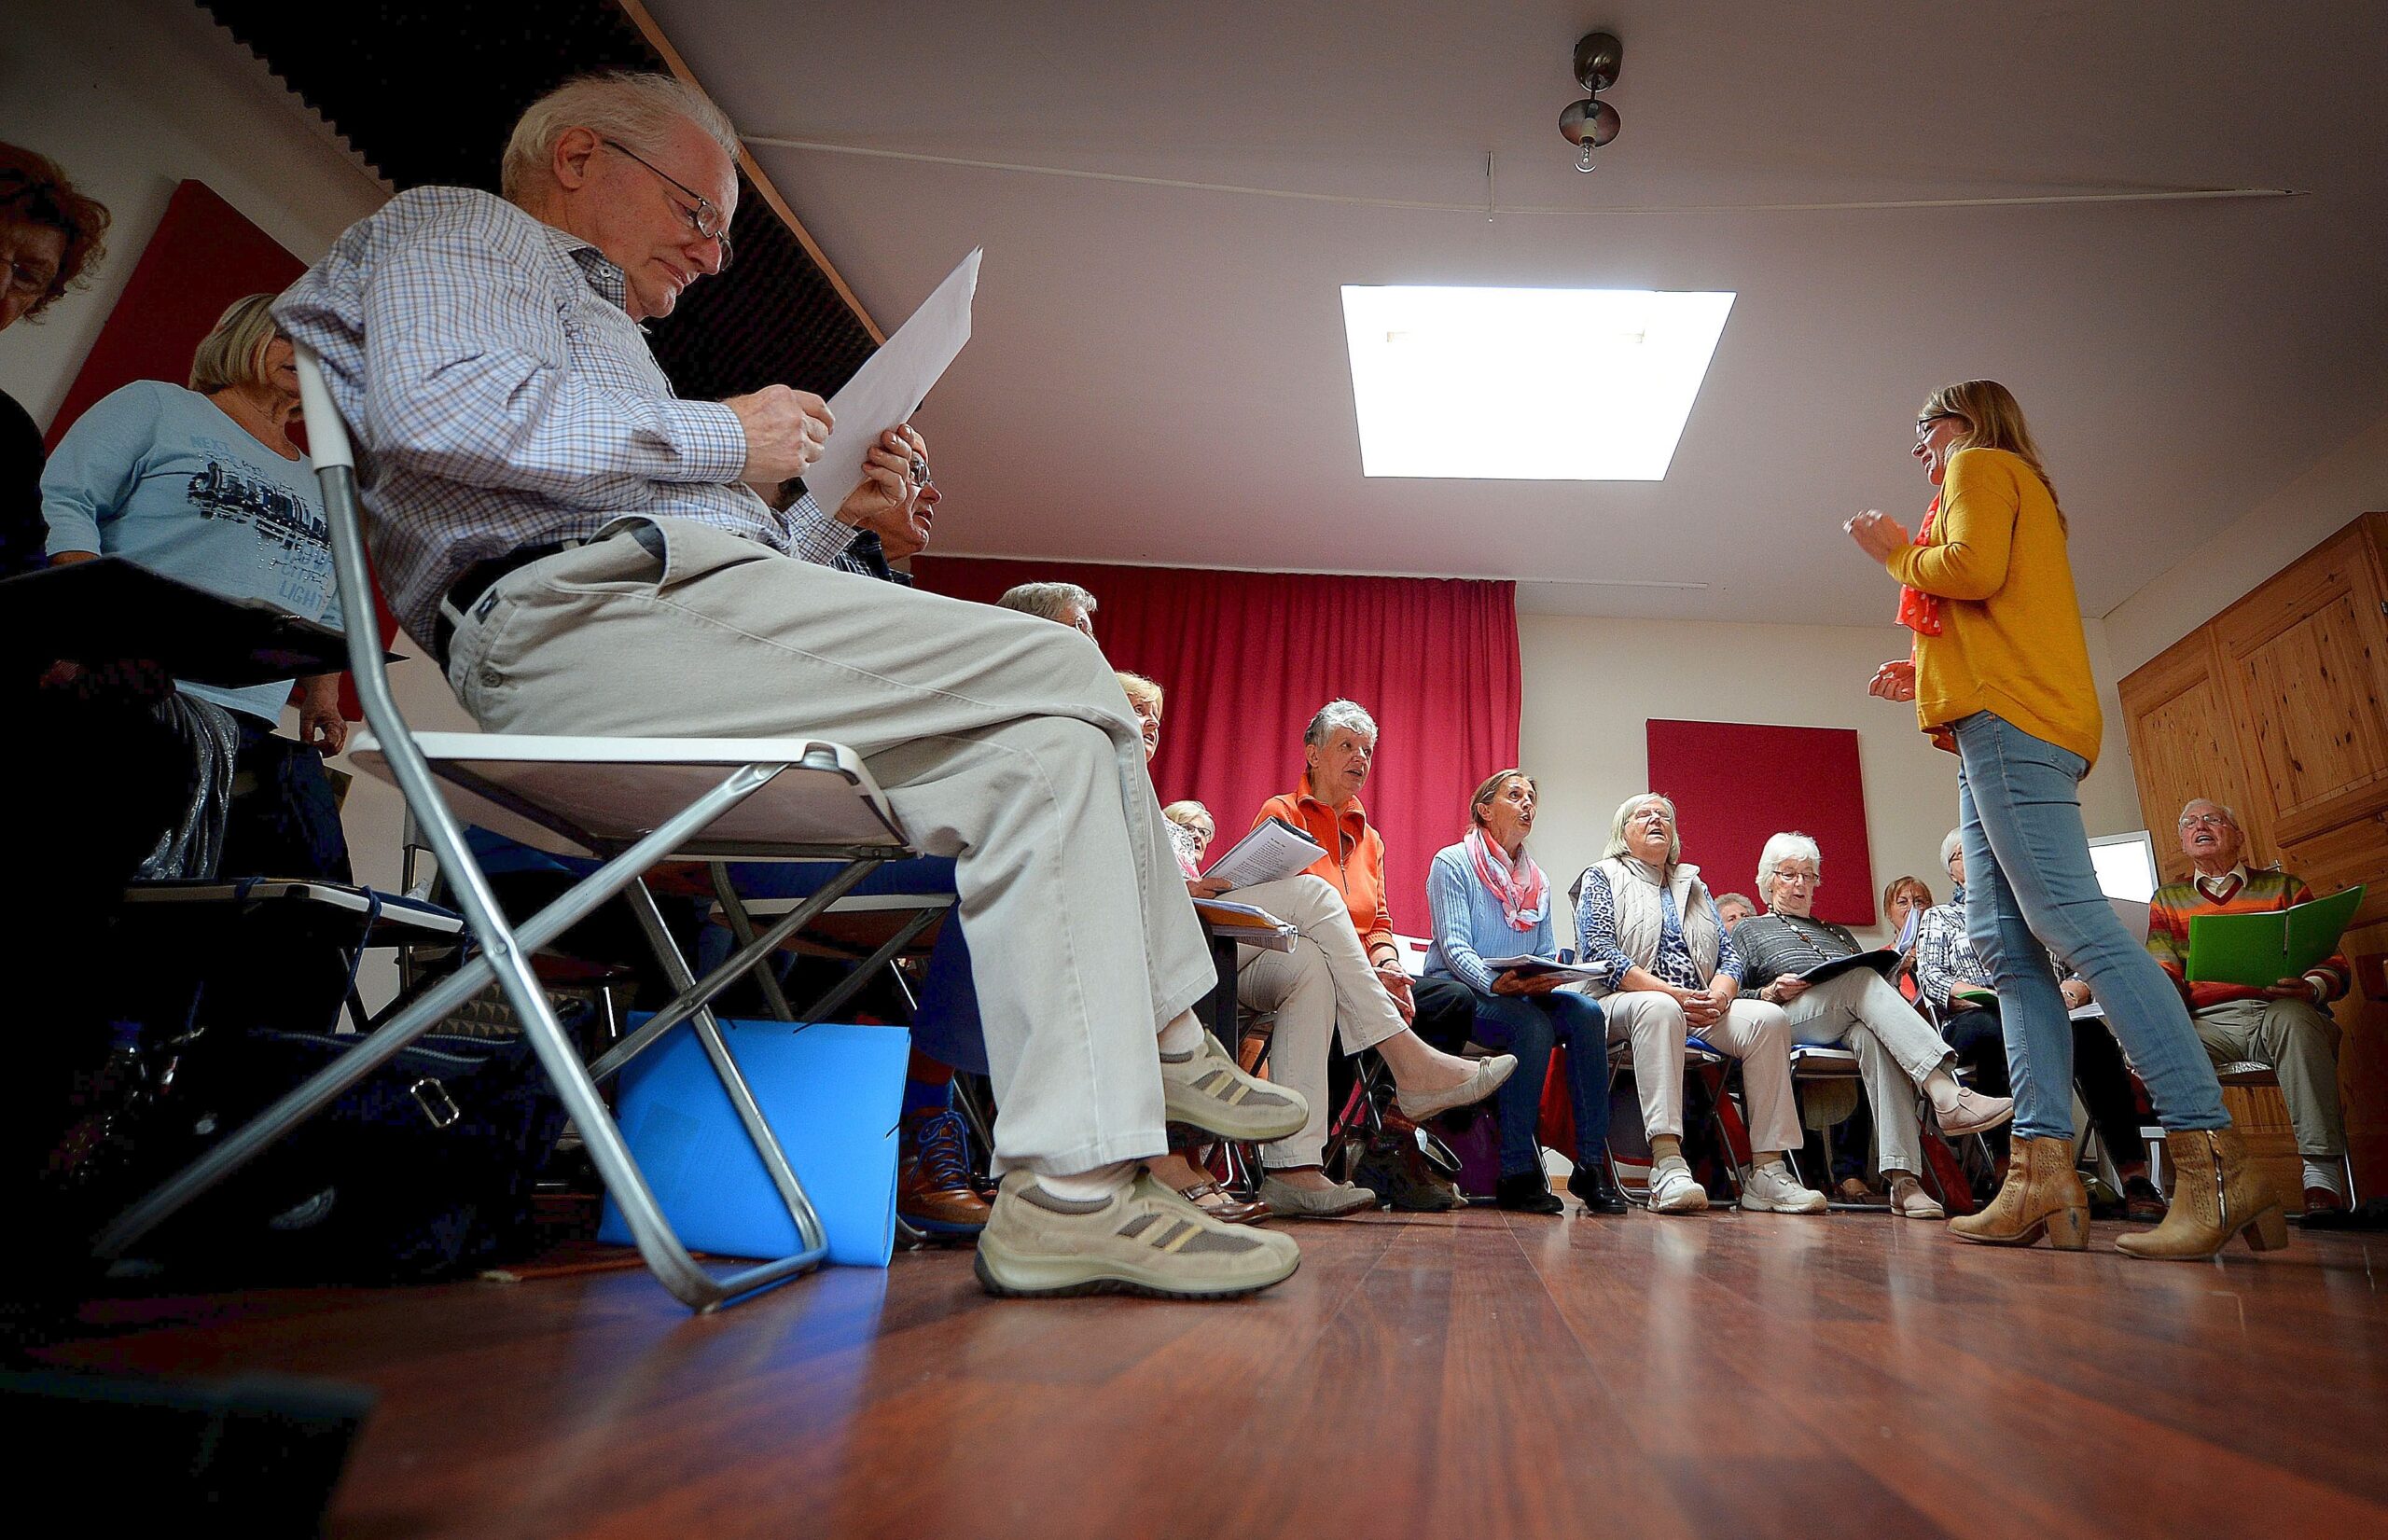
[[706, 218], [2204, 820]]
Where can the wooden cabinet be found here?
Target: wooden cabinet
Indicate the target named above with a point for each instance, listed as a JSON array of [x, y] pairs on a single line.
[[2279, 707]]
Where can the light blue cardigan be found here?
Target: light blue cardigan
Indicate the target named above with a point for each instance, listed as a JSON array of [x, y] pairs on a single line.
[[1469, 925]]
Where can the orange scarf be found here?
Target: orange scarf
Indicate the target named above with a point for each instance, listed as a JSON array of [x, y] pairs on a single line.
[[1919, 611]]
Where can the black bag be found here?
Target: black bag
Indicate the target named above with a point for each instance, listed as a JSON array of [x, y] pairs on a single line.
[[422, 1170]]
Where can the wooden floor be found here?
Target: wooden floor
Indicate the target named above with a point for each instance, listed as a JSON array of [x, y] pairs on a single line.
[[1471, 1375]]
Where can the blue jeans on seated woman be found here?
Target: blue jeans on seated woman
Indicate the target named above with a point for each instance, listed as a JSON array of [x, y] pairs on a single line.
[[1527, 1025], [2029, 881]]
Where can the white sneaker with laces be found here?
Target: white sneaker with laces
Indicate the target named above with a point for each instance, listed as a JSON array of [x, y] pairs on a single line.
[[1771, 1189], [1672, 1190]]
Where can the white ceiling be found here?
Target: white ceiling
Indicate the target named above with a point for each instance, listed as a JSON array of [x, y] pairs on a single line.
[[1159, 374]]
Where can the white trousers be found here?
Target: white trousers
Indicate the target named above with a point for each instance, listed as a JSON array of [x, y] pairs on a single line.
[[1325, 987], [1756, 1034], [1897, 1051], [1002, 741]]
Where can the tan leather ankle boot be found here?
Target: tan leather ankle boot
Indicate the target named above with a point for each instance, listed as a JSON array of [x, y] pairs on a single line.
[[2217, 1193], [2043, 1195]]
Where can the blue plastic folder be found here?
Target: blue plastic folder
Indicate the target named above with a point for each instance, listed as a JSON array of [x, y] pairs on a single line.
[[832, 1091]]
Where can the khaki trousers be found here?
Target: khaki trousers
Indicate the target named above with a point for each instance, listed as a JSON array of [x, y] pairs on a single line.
[[2301, 1045], [1897, 1051], [1322, 988], [1756, 1034], [1002, 741]]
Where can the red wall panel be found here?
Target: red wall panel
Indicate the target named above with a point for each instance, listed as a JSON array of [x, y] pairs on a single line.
[[1734, 786]]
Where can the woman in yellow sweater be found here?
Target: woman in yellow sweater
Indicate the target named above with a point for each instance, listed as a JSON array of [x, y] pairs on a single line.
[[2000, 673]]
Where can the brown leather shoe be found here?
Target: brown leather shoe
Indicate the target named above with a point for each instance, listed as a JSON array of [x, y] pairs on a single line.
[[2043, 1195], [2217, 1193], [933, 1188]]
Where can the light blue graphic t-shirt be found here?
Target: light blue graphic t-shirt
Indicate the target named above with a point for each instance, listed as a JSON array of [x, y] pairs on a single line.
[[161, 475]]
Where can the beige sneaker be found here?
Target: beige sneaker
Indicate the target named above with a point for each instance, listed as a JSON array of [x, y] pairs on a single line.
[[1143, 1239], [1205, 1089], [1771, 1189]]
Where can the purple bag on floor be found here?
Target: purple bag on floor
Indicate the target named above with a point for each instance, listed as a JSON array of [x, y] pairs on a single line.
[[1474, 1134]]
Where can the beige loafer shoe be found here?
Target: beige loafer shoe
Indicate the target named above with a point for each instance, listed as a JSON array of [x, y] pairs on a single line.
[[1489, 1073]]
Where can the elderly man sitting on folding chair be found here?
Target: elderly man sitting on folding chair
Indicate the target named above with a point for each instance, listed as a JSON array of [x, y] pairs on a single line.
[[586, 553]]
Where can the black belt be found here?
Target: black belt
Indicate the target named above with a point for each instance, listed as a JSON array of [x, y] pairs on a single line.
[[482, 576], [478, 579]]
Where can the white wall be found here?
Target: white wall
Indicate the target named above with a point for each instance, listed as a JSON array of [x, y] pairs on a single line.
[[2351, 481], [1590, 685], [132, 97]]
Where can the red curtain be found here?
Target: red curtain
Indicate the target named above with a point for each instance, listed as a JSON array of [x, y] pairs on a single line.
[[1248, 658]]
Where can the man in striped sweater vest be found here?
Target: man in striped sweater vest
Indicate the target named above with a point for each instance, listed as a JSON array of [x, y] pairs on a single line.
[[2286, 1026]]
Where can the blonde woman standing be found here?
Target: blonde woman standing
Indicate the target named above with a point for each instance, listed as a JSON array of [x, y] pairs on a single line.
[[2000, 673]]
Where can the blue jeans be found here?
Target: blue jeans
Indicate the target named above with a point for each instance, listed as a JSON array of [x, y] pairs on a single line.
[[2028, 881], [1527, 1025]]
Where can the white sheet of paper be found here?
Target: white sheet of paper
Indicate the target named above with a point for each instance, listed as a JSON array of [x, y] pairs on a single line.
[[893, 382], [1269, 853]]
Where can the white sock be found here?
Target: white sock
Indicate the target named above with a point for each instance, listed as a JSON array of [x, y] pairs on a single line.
[[1090, 1187], [2320, 1175], [1181, 1036]]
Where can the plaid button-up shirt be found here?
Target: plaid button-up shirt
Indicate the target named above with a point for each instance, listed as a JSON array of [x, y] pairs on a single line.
[[500, 396]]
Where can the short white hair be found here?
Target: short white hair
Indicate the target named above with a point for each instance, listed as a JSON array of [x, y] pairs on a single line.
[[2223, 808], [1349, 714], [1951, 846], [637, 108], [1790, 845], [1625, 810], [1048, 600]]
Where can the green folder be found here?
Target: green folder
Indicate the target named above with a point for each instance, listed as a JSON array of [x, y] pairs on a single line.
[[2258, 950]]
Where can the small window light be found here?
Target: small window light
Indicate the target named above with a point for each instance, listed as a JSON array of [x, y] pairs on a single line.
[[1526, 384]]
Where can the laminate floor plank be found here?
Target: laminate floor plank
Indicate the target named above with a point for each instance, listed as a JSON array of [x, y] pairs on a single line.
[[1476, 1374]]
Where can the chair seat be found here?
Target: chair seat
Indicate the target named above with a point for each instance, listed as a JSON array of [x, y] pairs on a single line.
[[393, 913], [588, 795], [1821, 1061]]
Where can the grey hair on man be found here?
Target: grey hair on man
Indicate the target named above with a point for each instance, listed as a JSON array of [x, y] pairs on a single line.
[[1951, 846], [1790, 845], [1626, 809], [1055, 601], [2225, 809], [1349, 715], [637, 109]]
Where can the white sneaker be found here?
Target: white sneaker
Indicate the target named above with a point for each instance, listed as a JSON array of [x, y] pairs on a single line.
[[1672, 1190], [1771, 1189]]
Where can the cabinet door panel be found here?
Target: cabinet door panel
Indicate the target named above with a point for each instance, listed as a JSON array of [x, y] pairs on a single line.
[[2313, 704], [2184, 744]]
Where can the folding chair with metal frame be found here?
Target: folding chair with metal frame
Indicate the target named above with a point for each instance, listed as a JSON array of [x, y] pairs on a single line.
[[1715, 1071], [633, 802]]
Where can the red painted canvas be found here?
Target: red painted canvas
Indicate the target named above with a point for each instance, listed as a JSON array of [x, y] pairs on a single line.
[[1735, 784]]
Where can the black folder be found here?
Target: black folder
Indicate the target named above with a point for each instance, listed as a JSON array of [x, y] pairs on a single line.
[[108, 608]]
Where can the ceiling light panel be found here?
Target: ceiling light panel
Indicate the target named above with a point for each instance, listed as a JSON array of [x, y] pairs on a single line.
[[1526, 384]]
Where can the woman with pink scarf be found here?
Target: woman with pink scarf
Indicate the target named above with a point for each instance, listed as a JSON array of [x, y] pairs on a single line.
[[1489, 899]]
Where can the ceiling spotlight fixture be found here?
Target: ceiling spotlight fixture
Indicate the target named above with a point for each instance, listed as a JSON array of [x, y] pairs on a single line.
[[1591, 123]]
